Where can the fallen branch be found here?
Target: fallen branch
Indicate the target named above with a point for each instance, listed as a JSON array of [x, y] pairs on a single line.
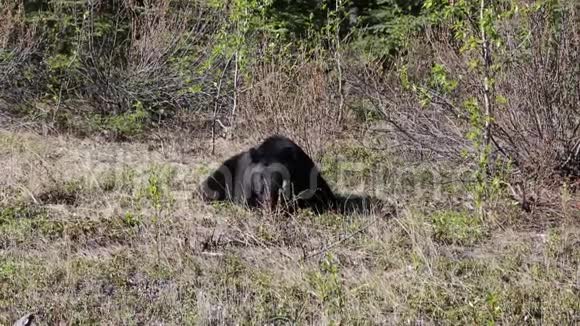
[[335, 244]]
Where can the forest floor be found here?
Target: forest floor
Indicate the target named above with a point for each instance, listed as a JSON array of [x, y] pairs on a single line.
[[97, 232]]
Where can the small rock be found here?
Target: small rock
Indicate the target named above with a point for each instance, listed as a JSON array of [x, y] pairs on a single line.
[[26, 320]]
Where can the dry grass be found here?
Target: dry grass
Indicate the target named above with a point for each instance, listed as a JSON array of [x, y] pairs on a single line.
[[110, 233], [275, 102], [97, 232]]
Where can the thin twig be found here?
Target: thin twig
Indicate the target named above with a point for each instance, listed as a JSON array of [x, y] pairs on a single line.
[[216, 105], [212, 254], [236, 67], [338, 63], [334, 244]]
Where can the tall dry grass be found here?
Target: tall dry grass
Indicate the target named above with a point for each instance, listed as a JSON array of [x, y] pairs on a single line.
[[299, 100]]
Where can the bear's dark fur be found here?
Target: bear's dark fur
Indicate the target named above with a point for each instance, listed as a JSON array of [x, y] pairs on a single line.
[[277, 168]]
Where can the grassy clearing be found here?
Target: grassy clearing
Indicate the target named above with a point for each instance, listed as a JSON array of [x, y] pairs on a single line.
[[134, 246]]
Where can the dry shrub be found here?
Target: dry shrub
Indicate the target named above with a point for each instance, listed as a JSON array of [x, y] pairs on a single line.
[[107, 57], [10, 14], [164, 52], [411, 131], [297, 101], [536, 114], [152, 33], [18, 47], [539, 126]]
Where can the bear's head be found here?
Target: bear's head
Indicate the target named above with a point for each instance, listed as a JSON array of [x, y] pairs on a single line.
[[268, 178]]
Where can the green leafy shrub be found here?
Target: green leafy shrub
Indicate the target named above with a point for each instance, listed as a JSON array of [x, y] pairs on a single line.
[[457, 228]]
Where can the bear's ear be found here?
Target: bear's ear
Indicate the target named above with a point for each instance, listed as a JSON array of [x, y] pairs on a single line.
[[253, 155]]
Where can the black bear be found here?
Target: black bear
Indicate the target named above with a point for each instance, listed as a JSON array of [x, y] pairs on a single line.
[[276, 169]]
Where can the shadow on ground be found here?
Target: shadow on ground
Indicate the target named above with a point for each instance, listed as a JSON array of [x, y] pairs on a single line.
[[364, 205]]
